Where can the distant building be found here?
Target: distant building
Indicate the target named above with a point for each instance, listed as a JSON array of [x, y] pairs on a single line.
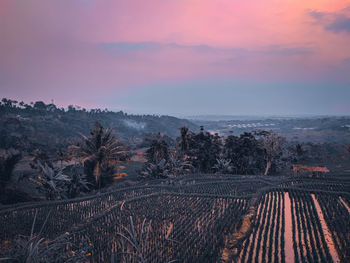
[[312, 170]]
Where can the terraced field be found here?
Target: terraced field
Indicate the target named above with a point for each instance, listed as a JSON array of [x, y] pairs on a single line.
[[201, 218]]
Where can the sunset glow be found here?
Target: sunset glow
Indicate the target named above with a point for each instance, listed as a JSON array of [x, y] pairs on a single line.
[[110, 53]]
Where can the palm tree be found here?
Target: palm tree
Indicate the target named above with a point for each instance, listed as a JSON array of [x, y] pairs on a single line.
[[158, 150], [51, 182], [223, 166], [99, 154], [184, 144]]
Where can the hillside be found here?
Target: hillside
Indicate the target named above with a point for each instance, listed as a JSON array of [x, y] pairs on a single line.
[[42, 126]]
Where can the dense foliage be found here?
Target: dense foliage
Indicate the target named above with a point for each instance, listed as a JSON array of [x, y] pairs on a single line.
[[8, 161], [99, 154], [204, 152]]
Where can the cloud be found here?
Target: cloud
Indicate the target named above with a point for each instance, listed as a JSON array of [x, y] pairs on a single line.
[[287, 51], [83, 50], [317, 15], [128, 47], [341, 23], [346, 61], [334, 22], [125, 47], [347, 9]]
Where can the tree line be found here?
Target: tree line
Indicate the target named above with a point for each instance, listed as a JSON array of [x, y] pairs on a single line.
[[93, 162], [259, 152]]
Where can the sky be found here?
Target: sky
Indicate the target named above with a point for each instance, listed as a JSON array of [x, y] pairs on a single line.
[[179, 57]]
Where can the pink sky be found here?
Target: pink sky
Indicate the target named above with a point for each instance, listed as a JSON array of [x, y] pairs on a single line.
[[82, 51]]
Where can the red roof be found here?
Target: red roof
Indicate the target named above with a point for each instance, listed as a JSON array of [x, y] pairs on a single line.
[[298, 168]]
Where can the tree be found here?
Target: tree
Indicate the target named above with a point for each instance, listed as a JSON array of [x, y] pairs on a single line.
[[244, 152], [158, 157], [201, 149], [78, 180], [158, 151], [71, 108], [163, 161], [297, 153], [156, 169], [8, 103], [39, 105], [53, 183], [272, 144], [183, 143], [99, 154], [223, 166], [10, 193], [39, 156], [179, 164], [8, 161]]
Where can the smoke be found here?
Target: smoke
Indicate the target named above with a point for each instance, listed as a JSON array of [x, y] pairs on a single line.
[[135, 125]]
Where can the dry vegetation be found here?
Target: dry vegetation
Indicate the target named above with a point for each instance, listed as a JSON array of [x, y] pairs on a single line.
[[200, 219]]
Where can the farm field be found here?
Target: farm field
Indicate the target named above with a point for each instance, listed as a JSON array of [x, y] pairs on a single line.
[[200, 218], [174, 131]]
